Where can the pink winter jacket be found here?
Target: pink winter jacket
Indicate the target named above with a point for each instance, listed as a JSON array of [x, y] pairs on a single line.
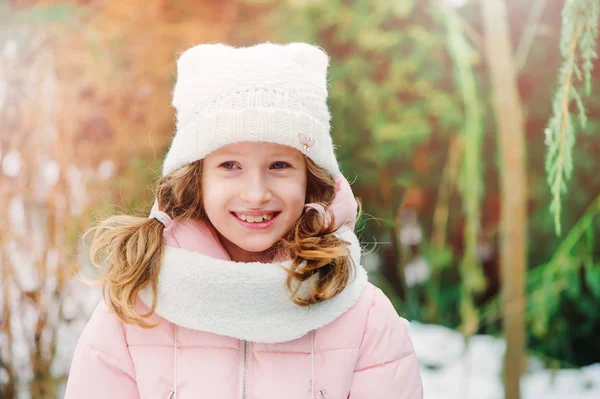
[[227, 330]]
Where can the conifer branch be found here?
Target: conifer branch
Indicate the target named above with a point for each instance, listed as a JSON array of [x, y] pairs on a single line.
[[578, 46]]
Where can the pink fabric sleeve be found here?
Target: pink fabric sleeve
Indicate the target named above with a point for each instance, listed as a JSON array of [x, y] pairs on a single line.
[[386, 366], [102, 366]]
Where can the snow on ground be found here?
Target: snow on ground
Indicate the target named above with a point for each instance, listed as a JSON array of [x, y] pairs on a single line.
[[454, 369]]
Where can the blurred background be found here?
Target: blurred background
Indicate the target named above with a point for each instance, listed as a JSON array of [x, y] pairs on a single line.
[[467, 128]]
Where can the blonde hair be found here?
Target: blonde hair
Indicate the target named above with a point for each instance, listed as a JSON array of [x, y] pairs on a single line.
[[129, 249]]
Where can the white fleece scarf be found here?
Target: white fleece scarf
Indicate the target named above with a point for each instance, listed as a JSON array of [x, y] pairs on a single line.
[[247, 301]]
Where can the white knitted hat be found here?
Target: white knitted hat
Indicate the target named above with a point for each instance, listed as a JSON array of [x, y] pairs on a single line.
[[268, 92]]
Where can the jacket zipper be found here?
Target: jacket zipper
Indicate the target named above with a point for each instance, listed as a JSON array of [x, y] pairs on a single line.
[[245, 375], [322, 392]]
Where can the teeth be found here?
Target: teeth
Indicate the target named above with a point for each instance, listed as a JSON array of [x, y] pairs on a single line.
[[255, 219]]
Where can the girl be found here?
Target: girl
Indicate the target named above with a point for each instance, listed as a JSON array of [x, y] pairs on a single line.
[[245, 282]]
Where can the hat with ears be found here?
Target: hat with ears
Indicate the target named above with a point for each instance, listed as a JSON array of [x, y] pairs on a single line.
[[275, 93]]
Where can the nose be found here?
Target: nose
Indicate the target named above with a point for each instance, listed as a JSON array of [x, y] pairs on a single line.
[[256, 190]]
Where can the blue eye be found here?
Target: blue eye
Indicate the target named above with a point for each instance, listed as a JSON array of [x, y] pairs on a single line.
[[280, 165]]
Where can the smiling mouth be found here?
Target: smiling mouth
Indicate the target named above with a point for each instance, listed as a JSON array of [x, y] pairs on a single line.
[[256, 218]]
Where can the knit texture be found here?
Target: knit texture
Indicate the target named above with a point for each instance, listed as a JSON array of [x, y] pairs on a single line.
[[264, 93], [246, 300]]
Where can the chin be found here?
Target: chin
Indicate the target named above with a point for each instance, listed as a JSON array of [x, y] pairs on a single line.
[[257, 247]]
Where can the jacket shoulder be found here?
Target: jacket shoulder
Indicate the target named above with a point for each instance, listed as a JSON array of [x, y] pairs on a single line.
[[346, 331], [105, 333], [385, 335], [102, 366]]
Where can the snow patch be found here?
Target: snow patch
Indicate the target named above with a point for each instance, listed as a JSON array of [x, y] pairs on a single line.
[[453, 368]]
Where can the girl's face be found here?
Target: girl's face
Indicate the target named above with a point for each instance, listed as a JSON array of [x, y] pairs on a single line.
[[253, 193]]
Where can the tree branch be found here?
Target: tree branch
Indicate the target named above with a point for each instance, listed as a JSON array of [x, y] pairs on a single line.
[[530, 30]]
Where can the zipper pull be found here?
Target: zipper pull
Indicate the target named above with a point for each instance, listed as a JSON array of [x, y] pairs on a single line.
[[323, 394], [171, 395]]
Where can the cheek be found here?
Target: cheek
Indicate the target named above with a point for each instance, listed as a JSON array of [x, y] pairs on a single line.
[[212, 197], [298, 196], [295, 195]]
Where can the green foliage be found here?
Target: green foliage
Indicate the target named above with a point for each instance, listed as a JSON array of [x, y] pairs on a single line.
[[388, 94], [573, 258], [470, 179], [18, 26], [442, 294], [578, 49], [42, 15], [48, 14], [405, 81], [571, 278]]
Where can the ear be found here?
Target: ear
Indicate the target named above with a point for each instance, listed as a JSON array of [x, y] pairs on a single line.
[[196, 59], [194, 62], [311, 58]]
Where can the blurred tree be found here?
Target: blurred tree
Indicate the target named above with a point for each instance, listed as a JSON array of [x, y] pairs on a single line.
[[391, 104], [513, 234], [409, 97], [400, 106], [40, 198], [471, 171], [84, 110]]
